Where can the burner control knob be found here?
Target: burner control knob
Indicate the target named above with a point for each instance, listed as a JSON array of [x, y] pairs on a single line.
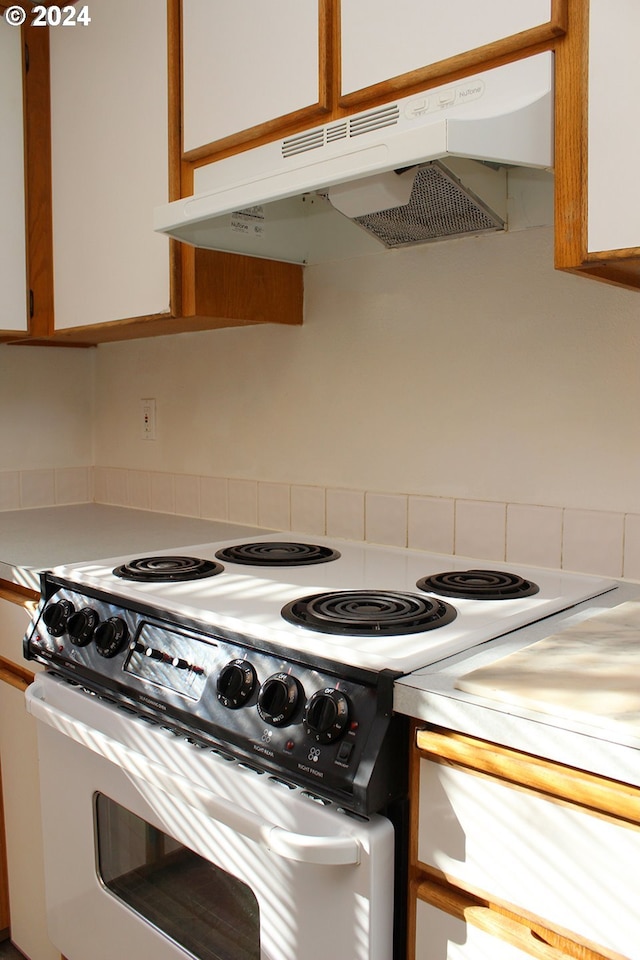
[[236, 683], [56, 616], [278, 698], [81, 626], [111, 636], [326, 716]]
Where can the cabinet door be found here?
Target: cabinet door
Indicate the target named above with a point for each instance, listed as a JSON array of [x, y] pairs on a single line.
[[109, 163], [411, 39], [614, 133], [13, 273], [248, 64], [597, 196]]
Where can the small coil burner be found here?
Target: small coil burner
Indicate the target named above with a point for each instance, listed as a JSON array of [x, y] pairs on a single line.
[[478, 585], [167, 569], [368, 613], [277, 554]]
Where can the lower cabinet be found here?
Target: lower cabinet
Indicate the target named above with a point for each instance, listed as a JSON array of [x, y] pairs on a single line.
[[21, 794], [513, 857]]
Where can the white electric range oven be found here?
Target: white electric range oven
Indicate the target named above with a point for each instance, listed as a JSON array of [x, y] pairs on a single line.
[[223, 777]]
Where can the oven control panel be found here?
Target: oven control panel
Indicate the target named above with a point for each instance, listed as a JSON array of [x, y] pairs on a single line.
[[321, 728]]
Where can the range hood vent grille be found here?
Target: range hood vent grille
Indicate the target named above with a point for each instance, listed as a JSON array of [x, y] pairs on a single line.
[[439, 206], [386, 116]]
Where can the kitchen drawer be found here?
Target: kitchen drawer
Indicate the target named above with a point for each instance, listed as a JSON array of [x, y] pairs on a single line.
[[441, 936], [574, 868]]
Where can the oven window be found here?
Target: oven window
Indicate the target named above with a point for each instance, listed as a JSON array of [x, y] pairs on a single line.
[[209, 913]]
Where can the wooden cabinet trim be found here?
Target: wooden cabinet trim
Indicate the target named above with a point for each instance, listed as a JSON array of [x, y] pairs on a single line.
[[39, 204], [526, 43], [595, 793], [298, 119], [17, 594], [15, 675]]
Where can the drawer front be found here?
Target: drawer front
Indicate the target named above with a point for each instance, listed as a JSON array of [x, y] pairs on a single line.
[[574, 869], [440, 936]]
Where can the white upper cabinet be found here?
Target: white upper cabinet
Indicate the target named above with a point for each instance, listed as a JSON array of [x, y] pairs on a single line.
[[382, 40], [13, 271], [109, 163], [614, 130], [246, 63]]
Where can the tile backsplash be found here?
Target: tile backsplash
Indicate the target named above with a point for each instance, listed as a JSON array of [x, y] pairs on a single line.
[[24, 489], [587, 541]]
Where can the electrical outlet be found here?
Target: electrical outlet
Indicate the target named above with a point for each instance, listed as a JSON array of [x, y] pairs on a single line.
[[148, 418]]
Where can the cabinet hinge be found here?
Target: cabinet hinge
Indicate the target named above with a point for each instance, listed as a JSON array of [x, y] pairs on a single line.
[[26, 58], [31, 305]]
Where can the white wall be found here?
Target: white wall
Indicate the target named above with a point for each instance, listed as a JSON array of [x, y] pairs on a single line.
[[466, 369], [46, 425]]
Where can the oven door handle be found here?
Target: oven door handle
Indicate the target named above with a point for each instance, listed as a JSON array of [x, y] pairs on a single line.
[[320, 850]]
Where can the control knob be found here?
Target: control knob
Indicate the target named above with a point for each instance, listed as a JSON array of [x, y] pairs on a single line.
[[278, 698], [326, 715], [236, 683], [81, 625], [56, 615], [111, 636]]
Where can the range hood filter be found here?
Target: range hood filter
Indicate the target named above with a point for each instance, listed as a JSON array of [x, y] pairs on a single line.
[[439, 206]]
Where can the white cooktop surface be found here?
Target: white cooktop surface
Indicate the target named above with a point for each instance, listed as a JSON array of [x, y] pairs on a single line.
[[247, 600]]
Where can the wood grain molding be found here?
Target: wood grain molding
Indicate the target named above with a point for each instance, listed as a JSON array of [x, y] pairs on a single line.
[[594, 793], [14, 593], [39, 214], [15, 675]]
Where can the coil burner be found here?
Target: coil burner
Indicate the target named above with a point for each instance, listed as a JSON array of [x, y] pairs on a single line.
[[167, 569], [277, 554], [478, 585], [368, 612]]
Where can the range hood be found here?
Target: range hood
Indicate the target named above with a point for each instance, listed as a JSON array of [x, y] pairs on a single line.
[[438, 164]]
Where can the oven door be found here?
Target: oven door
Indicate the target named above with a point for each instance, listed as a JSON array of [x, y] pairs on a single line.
[[155, 847]]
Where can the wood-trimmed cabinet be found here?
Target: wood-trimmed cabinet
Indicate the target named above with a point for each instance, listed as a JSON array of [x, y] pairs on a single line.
[[597, 223], [348, 55], [20, 784], [513, 857], [102, 128]]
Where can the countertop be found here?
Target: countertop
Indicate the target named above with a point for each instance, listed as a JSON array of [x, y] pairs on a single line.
[[34, 540], [431, 695]]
